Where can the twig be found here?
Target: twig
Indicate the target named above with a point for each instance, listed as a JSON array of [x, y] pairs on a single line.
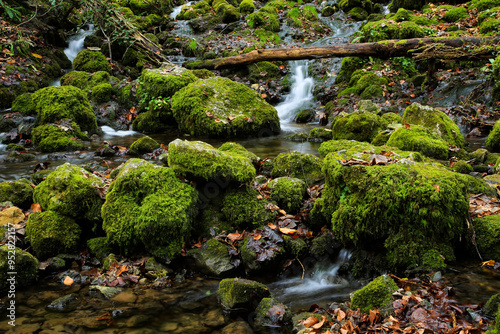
[[469, 219], [303, 269]]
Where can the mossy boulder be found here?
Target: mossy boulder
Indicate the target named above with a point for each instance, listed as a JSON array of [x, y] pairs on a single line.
[[53, 104], [101, 93], [58, 137], [319, 135], [270, 313], [199, 160], [50, 233], [219, 107], [72, 192], [99, 247], [493, 140], [143, 145], [407, 4], [386, 29], [24, 104], [306, 167], [407, 211], [91, 61], [488, 236], [390, 118], [462, 167], [244, 208], [235, 148], [238, 293], [265, 18], [347, 5], [367, 85], [25, 265], [247, 6], [359, 126], [212, 258], [436, 121], [148, 208], [420, 139], [455, 14], [288, 193], [491, 306], [368, 106], [263, 70], [78, 79], [305, 116], [376, 295], [19, 192]]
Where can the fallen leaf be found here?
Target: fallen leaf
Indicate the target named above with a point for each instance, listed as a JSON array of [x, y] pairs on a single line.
[[35, 207], [68, 280], [36, 55], [407, 126], [287, 231], [310, 321]]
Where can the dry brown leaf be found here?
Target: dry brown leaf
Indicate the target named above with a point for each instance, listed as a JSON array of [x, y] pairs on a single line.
[[310, 321]]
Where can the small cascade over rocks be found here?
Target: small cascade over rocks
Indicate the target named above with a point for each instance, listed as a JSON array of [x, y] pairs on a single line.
[[109, 131]]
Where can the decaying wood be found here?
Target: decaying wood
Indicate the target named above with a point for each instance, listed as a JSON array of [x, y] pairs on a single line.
[[419, 48]]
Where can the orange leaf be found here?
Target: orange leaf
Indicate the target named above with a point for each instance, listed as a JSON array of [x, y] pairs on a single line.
[[263, 96], [437, 187], [489, 263], [209, 114], [310, 321], [68, 280], [340, 315], [283, 212], [286, 230], [36, 207], [407, 126], [412, 96], [390, 84], [259, 196], [321, 323], [129, 117], [133, 110], [234, 237], [36, 55], [271, 226], [257, 237]]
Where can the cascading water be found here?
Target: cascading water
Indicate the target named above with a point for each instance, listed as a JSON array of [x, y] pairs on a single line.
[[110, 132], [176, 10], [300, 96]]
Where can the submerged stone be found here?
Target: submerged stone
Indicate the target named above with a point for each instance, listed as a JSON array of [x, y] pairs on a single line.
[[26, 267], [272, 313]]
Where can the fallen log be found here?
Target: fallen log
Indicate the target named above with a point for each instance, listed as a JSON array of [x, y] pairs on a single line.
[[419, 48]]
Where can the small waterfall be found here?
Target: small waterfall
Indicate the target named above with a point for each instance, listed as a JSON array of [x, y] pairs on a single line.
[[75, 43], [109, 131], [176, 10], [300, 96]]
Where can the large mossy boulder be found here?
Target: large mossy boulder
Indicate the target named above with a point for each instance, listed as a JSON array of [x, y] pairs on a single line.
[[359, 126], [419, 139], [376, 295], [19, 192], [50, 233], [199, 160], [493, 140], [414, 213], [91, 61], [57, 137], [72, 192], [306, 167], [149, 208], [219, 107], [238, 293], [488, 236], [436, 121], [143, 145], [53, 104], [25, 266], [288, 192], [213, 258]]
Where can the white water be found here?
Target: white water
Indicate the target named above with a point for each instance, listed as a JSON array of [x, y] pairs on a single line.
[[75, 43], [323, 284], [300, 96], [109, 131], [176, 10]]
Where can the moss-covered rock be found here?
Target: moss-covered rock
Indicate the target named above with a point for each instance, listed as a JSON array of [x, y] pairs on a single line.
[[359, 126], [305, 116], [303, 166], [493, 140], [319, 135], [288, 193], [19, 192], [235, 148], [99, 247], [376, 295], [199, 160], [238, 293], [491, 306], [219, 107], [24, 104], [101, 93], [263, 70], [368, 106], [419, 139], [91, 61], [271, 313], [78, 79], [143, 145], [66, 102], [72, 192], [213, 258], [462, 167], [403, 210], [455, 14], [367, 85], [50, 233], [265, 18], [56, 137], [25, 265], [390, 118], [488, 236], [247, 6], [244, 208], [386, 29], [148, 207], [436, 121], [407, 4]]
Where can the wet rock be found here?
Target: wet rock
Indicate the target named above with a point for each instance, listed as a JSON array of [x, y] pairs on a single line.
[[368, 106], [271, 313], [213, 258], [214, 318], [26, 267], [169, 326], [106, 291], [124, 298], [376, 295], [19, 192], [139, 320], [240, 327], [298, 137], [12, 215], [305, 116], [64, 304], [318, 135], [238, 293]]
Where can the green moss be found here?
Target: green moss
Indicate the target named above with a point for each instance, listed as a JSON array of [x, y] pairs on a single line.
[[358, 14], [376, 295], [263, 70], [143, 145], [243, 209], [65, 102], [419, 139], [266, 18], [347, 5], [436, 121], [99, 247], [348, 67], [19, 192], [487, 230], [203, 73], [219, 107], [485, 4], [154, 121], [238, 293], [455, 14], [407, 4], [365, 84], [306, 167], [295, 247], [148, 207], [491, 306], [493, 140], [76, 78], [390, 118], [91, 61], [54, 137], [50, 233], [385, 29], [265, 37], [320, 135], [305, 116], [213, 258], [462, 167], [288, 193], [101, 93], [247, 6], [24, 104], [489, 26], [73, 192], [25, 265], [356, 126], [235, 148]]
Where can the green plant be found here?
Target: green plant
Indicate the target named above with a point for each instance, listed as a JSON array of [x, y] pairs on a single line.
[[487, 68], [12, 12]]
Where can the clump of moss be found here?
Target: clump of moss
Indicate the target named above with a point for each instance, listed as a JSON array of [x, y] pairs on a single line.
[[50, 233], [247, 6], [263, 70], [26, 267], [91, 61], [364, 84], [462, 167], [54, 137], [493, 140], [24, 104], [288, 193], [455, 14], [219, 107], [99, 247], [376, 295], [320, 135], [78, 79], [306, 167], [148, 207], [419, 139], [238, 293], [487, 236], [101, 93], [143, 145], [265, 18], [19, 192], [360, 126], [384, 30], [235, 148], [305, 116]]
